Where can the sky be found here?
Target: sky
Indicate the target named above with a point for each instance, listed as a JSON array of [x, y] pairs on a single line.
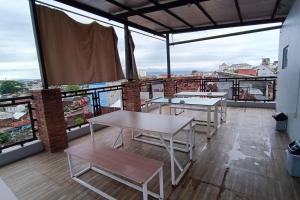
[[18, 59]]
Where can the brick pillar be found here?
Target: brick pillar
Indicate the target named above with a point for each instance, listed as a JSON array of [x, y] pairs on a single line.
[[50, 119], [169, 87], [131, 96]]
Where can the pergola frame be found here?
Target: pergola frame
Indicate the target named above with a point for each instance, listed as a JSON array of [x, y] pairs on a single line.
[[123, 16]]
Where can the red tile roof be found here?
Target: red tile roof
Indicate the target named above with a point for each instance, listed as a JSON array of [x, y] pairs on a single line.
[[251, 72]]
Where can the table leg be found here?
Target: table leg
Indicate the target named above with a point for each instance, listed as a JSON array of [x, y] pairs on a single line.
[[216, 117], [117, 139], [92, 132], [145, 192], [208, 121], [70, 165], [161, 184], [225, 110], [190, 141], [172, 161], [146, 103]]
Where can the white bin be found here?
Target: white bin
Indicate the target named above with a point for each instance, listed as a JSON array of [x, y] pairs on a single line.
[[293, 164]]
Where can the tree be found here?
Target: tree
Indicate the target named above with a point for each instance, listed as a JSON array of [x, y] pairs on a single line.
[[70, 88], [10, 87], [79, 120]]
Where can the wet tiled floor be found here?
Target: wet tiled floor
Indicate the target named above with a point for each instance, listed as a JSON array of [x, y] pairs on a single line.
[[245, 159]]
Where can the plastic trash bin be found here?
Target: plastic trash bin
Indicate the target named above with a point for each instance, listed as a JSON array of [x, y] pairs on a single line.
[[293, 158], [281, 121]]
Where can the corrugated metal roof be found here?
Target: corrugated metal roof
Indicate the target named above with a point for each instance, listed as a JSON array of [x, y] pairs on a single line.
[[170, 16]]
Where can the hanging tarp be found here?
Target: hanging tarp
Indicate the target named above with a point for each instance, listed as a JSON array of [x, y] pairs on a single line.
[[76, 53]]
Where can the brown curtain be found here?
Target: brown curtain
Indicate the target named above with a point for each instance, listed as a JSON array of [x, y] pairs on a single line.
[[135, 75], [76, 53]]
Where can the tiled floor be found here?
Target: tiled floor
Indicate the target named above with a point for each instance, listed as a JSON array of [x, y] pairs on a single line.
[[244, 160]]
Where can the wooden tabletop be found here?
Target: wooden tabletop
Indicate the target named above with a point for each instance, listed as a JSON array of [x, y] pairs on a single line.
[[166, 124], [128, 165], [207, 94], [188, 101]]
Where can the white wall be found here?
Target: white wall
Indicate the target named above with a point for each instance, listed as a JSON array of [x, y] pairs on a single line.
[[288, 99]]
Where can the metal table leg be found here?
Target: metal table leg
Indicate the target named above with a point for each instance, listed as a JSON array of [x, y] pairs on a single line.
[[208, 121], [92, 132]]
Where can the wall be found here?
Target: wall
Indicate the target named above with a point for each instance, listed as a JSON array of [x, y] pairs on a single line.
[[288, 79]]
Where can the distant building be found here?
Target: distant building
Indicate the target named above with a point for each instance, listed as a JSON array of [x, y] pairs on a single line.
[[265, 61], [142, 73], [234, 67], [264, 70], [223, 67]]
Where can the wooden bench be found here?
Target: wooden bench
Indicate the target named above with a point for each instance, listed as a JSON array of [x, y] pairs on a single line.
[[5, 192], [118, 165]]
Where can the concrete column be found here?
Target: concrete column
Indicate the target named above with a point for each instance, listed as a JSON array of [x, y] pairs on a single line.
[[50, 119], [131, 96], [169, 87]]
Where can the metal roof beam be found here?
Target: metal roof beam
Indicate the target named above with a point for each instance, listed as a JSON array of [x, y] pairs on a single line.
[[170, 13], [275, 9], [206, 13], [248, 23], [238, 10], [227, 35], [142, 15], [101, 13], [155, 8]]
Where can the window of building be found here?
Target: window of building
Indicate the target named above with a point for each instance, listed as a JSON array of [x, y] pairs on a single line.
[[285, 57]]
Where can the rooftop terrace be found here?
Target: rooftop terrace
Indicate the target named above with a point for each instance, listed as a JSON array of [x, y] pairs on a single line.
[[244, 160]]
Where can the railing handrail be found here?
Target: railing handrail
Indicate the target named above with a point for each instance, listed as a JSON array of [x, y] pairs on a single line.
[[16, 98], [228, 78], [92, 89]]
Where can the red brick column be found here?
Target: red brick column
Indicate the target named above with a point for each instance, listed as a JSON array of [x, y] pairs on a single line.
[[50, 119], [131, 96], [169, 87]]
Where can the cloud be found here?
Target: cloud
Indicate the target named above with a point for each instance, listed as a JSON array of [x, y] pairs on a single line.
[[18, 57]]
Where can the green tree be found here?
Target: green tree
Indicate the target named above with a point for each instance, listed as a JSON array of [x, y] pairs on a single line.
[[5, 137], [10, 87], [70, 88], [78, 120]]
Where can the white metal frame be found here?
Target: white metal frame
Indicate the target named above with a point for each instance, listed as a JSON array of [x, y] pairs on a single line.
[[223, 103], [170, 148], [210, 131], [143, 188]]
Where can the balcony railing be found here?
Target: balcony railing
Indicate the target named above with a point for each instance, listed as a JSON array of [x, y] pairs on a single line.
[[254, 89], [17, 123], [81, 105]]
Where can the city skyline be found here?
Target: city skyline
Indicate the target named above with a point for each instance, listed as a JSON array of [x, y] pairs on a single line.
[[18, 58]]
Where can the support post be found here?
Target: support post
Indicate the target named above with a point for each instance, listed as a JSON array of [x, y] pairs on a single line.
[[50, 119], [168, 55], [38, 44], [131, 96], [128, 56]]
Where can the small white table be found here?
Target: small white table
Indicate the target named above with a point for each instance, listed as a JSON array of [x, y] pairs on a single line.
[[186, 103], [221, 95], [163, 125]]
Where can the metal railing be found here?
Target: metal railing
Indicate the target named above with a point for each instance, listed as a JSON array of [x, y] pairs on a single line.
[[151, 89], [82, 104], [254, 89], [17, 123]]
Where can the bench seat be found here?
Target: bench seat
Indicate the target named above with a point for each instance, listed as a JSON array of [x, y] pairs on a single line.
[[118, 165], [128, 165]]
